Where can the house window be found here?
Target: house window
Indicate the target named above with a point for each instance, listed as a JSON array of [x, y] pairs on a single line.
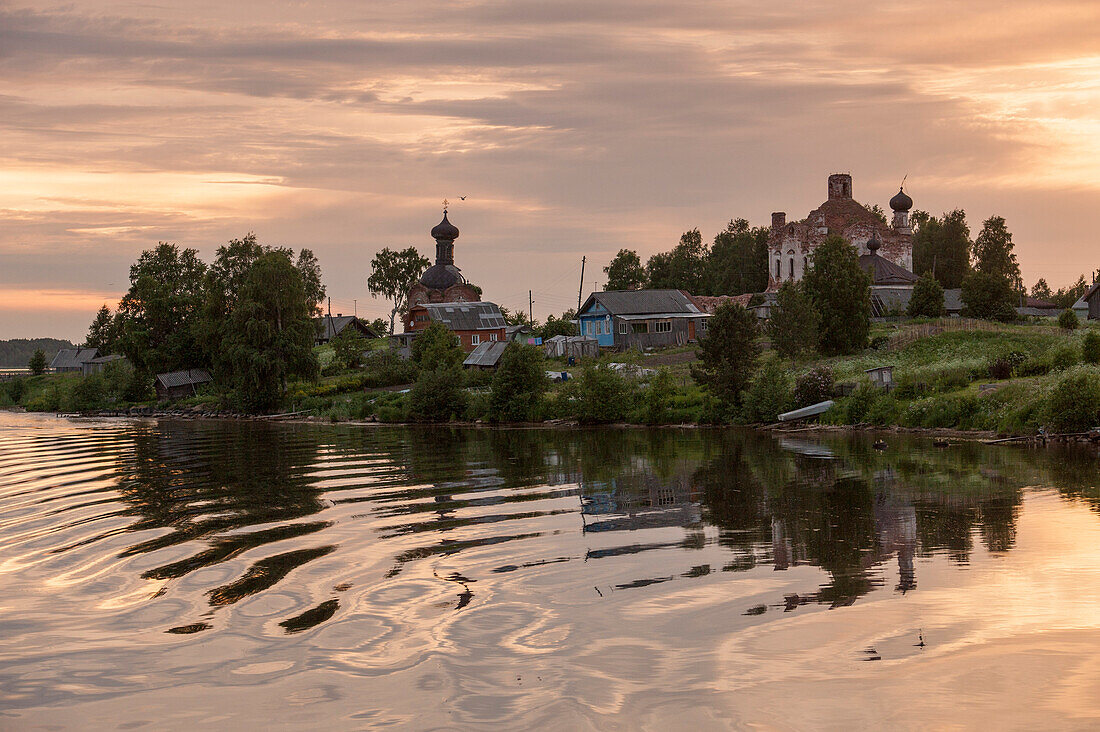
[[662, 326], [475, 339], [591, 328], [421, 317], [492, 336], [639, 327], [624, 327], [703, 325]]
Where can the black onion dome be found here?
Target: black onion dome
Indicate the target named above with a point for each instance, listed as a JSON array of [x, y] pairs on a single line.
[[873, 243], [441, 276], [901, 201], [445, 230]]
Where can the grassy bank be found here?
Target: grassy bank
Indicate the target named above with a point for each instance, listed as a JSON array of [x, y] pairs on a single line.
[[1011, 379]]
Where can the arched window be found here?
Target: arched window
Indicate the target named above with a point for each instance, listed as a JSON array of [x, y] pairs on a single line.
[[805, 264], [778, 269], [791, 273]]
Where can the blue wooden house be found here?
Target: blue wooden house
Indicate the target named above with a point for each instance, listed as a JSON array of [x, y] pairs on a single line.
[[623, 319]]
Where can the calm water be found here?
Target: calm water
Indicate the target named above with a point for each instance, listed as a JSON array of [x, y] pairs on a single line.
[[217, 575]]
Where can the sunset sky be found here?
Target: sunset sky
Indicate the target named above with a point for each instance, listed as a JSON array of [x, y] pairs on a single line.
[[575, 127]]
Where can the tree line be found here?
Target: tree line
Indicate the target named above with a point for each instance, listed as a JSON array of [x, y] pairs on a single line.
[[248, 317]]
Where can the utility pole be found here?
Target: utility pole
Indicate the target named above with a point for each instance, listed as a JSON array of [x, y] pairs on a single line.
[[530, 307], [355, 304], [580, 290], [330, 307]]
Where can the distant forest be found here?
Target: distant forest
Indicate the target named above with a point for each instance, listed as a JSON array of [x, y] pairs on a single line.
[[15, 354]]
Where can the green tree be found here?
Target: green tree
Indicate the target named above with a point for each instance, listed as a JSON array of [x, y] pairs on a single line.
[[38, 363], [684, 268], [738, 261], [993, 254], [102, 333], [436, 346], [270, 333], [310, 270], [518, 384], [1074, 404], [393, 274], [348, 347], [793, 325], [942, 246], [1041, 290], [1067, 296], [927, 298], [988, 296], [380, 326], [727, 353], [625, 272], [88, 393], [160, 312], [559, 326], [841, 293], [437, 395]]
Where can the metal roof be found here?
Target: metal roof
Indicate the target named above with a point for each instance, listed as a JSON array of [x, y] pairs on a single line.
[[107, 359], [466, 315], [663, 316], [333, 325], [188, 377], [643, 302], [73, 358], [486, 354], [885, 272]]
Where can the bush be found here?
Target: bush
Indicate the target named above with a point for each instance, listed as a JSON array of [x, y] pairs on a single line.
[[437, 395], [956, 411], [859, 403], [770, 393], [883, 410], [1063, 357], [89, 393], [38, 363], [518, 384], [1000, 368], [1074, 404], [602, 395], [813, 387], [348, 348], [387, 368], [15, 389], [436, 346], [657, 398], [1068, 320], [1090, 347]]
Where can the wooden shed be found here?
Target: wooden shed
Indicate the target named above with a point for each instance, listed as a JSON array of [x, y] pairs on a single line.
[[181, 384]]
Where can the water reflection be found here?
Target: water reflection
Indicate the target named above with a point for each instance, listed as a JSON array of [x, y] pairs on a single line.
[[276, 533]]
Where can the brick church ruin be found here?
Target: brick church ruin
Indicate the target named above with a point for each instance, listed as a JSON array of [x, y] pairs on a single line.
[[790, 245]]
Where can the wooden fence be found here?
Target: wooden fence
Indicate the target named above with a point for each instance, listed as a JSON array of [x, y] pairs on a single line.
[[909, 333]]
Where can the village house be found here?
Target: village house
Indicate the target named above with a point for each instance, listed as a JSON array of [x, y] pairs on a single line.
[[180, 384], [97, 365], [473, 322], [1088, 307], [641, 319], [791, 245], [72, 360], [330, 326]]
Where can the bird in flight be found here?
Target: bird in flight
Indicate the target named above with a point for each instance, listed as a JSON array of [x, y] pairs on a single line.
[[462, 198]]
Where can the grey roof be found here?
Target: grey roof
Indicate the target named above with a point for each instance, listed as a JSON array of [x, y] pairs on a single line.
[[333, 325], [885, 272], [486, 354], [1091, 292], [73, 358], [188, 377], [952, 300], [107, 359], [643, 302], [466, 315]]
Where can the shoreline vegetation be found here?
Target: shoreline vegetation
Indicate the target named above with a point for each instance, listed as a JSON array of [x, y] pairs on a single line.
[[953, 378]]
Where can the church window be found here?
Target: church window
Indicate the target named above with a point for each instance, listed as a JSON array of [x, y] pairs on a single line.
[[778, 269], [791, 268]]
